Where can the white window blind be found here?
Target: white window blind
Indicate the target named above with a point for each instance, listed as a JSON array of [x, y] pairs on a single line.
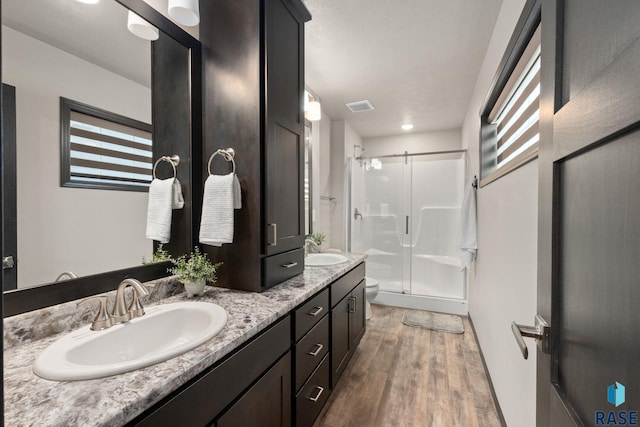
[[516, 112], [105, 154]]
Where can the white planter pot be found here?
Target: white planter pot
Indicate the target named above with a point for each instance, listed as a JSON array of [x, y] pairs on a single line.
[[194, 289]]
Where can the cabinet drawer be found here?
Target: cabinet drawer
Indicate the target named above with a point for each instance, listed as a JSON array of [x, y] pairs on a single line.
[[310, 351], [199, 402], [278, 268], [313, 396], [310, 313], [343, 286]]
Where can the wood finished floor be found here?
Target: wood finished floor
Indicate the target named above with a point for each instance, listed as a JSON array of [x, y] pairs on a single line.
[[406, 376]]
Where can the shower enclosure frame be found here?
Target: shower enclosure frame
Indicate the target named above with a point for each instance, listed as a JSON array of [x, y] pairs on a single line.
[[452, 305]]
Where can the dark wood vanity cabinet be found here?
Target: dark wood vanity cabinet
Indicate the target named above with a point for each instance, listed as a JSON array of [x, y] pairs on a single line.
[[283, 376], [347, 319], [253, 380], [253, 74], [267, 403], [311, 371]]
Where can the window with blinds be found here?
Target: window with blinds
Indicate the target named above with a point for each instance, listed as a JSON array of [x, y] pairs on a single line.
[[510, 131], [104, 150]]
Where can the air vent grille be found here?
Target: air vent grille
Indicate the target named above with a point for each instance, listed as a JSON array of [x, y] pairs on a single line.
[[360, 106]]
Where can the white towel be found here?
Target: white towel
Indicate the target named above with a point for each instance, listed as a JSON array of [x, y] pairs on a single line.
[[177, 201], [159, 209], [221, 196], [468, 232], [237, 196]]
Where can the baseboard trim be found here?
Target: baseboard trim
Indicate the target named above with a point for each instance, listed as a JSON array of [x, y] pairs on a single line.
[[503, 422]]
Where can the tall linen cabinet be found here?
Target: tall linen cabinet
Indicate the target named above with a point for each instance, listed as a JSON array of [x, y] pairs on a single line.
[[253, 82]]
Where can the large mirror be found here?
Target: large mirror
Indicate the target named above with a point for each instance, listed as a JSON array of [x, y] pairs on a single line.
[[85, 53]]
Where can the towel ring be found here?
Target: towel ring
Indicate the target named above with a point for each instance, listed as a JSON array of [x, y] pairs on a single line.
[[174, 160], [228, 154]]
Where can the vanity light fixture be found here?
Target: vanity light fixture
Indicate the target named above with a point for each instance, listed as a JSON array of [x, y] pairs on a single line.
[[185, 12], [141, 28], [88, 1], [407, 126], [314, 112], [312, 107]]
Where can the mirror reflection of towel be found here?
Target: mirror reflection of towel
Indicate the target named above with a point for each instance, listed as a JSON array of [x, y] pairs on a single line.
[[159, 209], [468, 231]]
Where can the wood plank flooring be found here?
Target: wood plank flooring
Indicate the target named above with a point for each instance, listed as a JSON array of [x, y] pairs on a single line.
[[406, 376]]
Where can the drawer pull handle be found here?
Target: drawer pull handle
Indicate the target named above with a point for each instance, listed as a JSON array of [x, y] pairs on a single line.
[[318, 350], [290, 265], [317, 396], [352, 309], [315, 311]]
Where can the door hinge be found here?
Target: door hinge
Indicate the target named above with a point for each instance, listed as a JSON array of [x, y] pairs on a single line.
[[540, 332]]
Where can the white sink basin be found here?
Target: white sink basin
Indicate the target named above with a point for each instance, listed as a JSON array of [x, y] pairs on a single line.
[[165, 331], [323, 260]]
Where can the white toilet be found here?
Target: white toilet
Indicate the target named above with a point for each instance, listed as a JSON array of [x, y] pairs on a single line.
[[371, 294]]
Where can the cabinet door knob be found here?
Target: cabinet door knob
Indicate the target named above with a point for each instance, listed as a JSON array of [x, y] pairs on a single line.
[[318, 394], [315, 311], [317, 350]]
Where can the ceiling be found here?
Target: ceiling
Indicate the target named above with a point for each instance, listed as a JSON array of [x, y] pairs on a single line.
[[417, 61]]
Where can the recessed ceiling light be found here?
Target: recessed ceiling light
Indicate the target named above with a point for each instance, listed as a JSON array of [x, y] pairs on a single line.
[[407, 126]]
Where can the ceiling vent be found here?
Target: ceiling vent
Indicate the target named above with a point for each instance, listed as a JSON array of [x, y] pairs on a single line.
[[360, 106]]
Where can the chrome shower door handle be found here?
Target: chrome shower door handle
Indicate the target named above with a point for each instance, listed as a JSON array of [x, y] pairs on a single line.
[[541, 333]]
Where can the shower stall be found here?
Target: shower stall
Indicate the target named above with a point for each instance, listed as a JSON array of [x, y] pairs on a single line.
[[404, 212]]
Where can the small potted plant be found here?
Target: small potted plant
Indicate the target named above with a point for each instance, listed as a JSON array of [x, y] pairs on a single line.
[[194, 271]]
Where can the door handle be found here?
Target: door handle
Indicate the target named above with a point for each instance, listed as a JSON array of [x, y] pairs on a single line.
[[352, 309], [274, 227], [406, 224], [541, 332]]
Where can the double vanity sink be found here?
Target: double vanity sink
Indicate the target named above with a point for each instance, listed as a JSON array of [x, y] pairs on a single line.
[[129, 367], [165, 331]]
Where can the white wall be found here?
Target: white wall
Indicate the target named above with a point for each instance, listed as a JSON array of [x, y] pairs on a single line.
[[325, 207], [503, 281], [343, 139], [85, 231]]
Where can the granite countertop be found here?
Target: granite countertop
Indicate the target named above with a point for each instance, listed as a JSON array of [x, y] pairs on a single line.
[[116, 400]]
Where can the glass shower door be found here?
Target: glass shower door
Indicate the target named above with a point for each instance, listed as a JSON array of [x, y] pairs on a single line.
[[436, 197], [378, 219], [404, 215]]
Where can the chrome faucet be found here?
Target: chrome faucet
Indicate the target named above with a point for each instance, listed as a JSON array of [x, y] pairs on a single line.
[[121, 313], [67, 274]]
